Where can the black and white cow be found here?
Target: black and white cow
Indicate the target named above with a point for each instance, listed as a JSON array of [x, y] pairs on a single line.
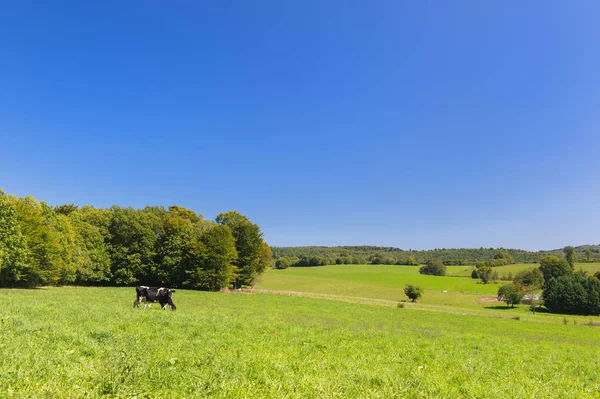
[[148, 295]]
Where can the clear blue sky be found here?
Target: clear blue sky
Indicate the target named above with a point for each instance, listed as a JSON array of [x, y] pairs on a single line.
[[416, 124]]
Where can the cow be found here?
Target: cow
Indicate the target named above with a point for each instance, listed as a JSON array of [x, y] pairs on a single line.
[[153, 294]]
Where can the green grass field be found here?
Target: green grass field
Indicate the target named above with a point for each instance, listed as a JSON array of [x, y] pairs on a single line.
[[90, 343], [462, 293]]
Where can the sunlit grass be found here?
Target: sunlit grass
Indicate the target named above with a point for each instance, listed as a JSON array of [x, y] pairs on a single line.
[[91, 343]]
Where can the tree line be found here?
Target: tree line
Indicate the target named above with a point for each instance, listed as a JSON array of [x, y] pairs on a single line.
[[319, 256], [66, 244]]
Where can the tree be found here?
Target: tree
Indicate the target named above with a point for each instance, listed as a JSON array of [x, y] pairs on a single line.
[[283, 263], [532, 278], [588, 255], [412, 261], [474, 274], [511, 293], [485, 274], [570, 255], [14, 269], [413, 292], [573, 294], [503, 254], [434, 268], [253, 256], [218, 254], [552, 266]]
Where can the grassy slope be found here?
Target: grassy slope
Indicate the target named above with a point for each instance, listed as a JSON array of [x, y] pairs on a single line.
[[387, 282], [89, 342]]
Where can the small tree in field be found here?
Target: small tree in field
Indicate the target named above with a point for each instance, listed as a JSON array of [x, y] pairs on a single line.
[[511, 293], [413, 292]]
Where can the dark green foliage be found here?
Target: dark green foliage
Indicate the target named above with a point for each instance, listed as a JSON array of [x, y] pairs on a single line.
[[597, 275], [390, 255], [474, 274], [573, 294], [530, 278], [511, 293], [434, 268], [216, 252], [552, 266], [413, 292]]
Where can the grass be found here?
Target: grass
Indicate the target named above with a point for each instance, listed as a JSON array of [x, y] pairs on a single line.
[[91, 343], [455, 293]]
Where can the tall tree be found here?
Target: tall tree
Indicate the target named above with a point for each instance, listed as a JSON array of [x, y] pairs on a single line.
[[552, 266], [218, 254], [14, 269], [253, 257], [570, 255]]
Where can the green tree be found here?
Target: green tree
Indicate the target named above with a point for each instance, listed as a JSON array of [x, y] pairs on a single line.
[[176, 253], [485, 274], [253, 256], [14, 269], [412, 261], [217, 252], [434, 268], [532, 278], [552, 266], [570, 255], [474, 274], [413, 292], [91, 259], [572, 294], [511, 293], [588, 255], [283, 263]]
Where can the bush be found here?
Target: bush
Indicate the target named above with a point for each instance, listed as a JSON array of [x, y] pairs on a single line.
[[485, 274], [474, 274], [433, 268], [573, 295], [282, 263], [511, 293], [413, 292]]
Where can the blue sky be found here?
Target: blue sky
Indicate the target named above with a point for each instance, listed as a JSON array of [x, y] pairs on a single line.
[[416, 124]]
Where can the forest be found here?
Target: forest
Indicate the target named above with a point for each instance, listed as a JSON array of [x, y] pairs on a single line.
[[42, 245], [320, 255]]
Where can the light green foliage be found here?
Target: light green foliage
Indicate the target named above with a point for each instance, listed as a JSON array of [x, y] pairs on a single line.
[[282, 263], [511, 293], [433, 268], [570, 255], [253, 254], [485, 274], [219, 346], [552, 267], [13, 248], [412, 261]]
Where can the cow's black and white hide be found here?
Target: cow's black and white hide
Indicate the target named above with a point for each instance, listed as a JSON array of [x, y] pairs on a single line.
[[148, 295]]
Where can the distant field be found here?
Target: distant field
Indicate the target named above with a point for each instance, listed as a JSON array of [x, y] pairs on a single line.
[[387, 282], [514, 269], [90, 343]]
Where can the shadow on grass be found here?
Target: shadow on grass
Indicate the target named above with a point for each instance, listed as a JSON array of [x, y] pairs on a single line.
[[500, 307]]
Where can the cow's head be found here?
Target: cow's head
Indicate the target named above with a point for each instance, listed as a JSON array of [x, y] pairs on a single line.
[[165, 295]]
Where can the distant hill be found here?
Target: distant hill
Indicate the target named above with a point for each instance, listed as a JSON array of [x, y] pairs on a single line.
[[392, 255]]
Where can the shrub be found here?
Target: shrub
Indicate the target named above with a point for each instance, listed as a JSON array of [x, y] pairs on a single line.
[[282, 263], [413, 292], [433, 268], [474, 274]]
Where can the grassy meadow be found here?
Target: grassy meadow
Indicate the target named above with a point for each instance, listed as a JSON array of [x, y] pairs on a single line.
[[456, 292], [71, 342]]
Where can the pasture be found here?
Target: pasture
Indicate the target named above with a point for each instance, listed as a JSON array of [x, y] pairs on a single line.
[[71, 342], [462, 293]]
